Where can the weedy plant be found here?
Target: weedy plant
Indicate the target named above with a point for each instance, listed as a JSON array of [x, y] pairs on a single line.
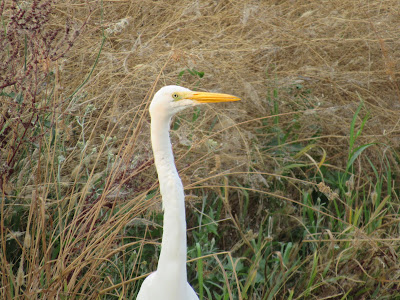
[[33, 147]]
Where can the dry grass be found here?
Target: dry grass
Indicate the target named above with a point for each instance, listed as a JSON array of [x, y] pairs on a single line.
[[79, 191], [335, 49]]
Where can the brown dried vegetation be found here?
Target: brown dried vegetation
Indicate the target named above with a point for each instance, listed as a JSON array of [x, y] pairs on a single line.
[[76, 169]]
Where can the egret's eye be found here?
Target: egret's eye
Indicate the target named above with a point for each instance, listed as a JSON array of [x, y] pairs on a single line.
[[175, 96]]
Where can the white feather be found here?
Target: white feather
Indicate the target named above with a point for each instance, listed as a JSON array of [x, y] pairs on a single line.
[[169, 282]]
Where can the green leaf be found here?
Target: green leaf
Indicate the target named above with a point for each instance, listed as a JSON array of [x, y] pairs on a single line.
[[356, 153], [200, 271]]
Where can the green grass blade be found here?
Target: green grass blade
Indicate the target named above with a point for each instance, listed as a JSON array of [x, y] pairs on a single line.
[[200, 271]]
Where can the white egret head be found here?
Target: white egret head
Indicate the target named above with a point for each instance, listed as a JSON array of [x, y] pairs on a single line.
[[171, 99]]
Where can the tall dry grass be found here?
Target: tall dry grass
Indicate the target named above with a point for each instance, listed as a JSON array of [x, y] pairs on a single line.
[[79, 196]]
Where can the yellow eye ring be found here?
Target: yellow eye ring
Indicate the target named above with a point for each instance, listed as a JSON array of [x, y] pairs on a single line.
[[175, 96]]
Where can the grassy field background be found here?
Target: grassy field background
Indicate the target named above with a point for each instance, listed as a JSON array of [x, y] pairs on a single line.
[[292, 193]]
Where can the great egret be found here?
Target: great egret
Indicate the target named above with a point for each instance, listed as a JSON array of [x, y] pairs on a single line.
[[169, 282]]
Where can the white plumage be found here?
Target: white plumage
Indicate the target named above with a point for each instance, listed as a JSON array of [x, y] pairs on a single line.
[[169, 281]]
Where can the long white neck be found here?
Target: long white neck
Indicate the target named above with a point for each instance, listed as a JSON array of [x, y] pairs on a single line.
[[172, 262]]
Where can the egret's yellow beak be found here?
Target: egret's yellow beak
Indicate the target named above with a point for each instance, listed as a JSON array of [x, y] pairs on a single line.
[[204, 97]]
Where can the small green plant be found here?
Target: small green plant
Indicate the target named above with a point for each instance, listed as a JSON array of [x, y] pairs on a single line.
[[192, 72]]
